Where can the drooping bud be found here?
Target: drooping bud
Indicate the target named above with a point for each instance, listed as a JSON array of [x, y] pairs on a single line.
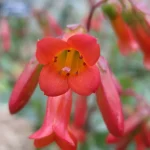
[[140, 28], [130, 125], [5, 34], [126, 41], [24, 86], [47, 23], [109, 101]]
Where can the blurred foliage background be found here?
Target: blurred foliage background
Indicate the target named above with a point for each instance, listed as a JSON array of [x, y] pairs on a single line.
[[25, 31]]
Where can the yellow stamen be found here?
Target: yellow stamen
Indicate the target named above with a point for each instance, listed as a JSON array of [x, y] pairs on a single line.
[[69, 58], [69, 62]]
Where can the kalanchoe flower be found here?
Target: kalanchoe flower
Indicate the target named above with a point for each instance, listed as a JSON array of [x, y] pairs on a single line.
[[47, 23], [143, 37], [134, 130], [109, 101], [127, 43], [5, 34], [68, 62], [55, 126], [140, 28], [24, 86]]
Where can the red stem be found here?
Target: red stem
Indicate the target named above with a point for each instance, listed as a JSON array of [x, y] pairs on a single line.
[[91, 13]]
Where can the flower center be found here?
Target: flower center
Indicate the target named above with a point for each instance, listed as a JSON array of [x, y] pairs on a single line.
[[69, 62]]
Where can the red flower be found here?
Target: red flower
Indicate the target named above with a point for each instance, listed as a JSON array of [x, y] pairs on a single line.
[[25, 86], [140, 28], [109, 101], [55, 126], [47, 23], [5, 34], [143, 37], [134, 130], [68, 63], [127, 43]]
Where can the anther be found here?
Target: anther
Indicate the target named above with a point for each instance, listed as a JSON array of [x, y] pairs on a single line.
[[67, 74], [81, 57], [55, 59], [84, 63]]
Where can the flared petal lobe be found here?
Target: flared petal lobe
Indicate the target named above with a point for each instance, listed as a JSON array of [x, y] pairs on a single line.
[[86, 82], [25, 86], [51, 82], [78, 133], [48, 47], [108, 101], [87, 47]]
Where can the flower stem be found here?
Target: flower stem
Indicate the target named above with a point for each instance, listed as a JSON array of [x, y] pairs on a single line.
[[88, 25]]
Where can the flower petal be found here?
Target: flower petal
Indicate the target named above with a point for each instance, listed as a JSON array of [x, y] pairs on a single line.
[[51, 82], [110, 139], [25, 86], [109, 101], [48, 47], [85, 82], [55, 123], [63, 116], [45, 141], [128, 47], [80, 110], [87, 47], [51, 110], [140, 145], [124, 142], [65, 144], [79, 133]]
